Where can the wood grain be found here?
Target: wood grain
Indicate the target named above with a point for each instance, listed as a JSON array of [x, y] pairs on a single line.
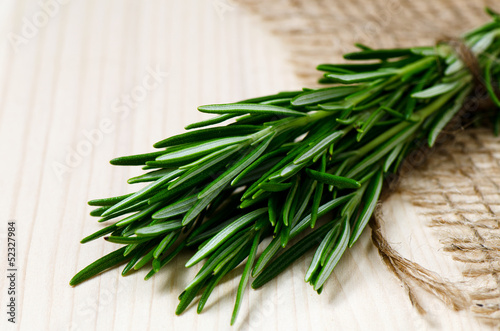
[[74, 73]]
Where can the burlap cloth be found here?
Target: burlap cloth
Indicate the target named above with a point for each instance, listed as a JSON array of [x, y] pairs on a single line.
[[456, 186]]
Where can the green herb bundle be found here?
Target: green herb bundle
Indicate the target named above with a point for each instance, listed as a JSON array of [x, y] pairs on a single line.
[[283, 161]]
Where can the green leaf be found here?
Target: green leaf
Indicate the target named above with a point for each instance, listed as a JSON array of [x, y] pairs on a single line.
[[249, 108], [412, 102], [323, 209], [127, 210], [485, 42], [129, 230], [445, 117], [98, 211], [165, 244], [215, 120], [198, 207], [139, 159], [280, 95], [487, 78], [236, 168], [206, 134], [210, 227], [266, 256], [379, 54], [425, 51], [288, 171], [273, 209], [266, 157], [177, 208], [328, 248], [337, 106], [315, 262], [288, 203], [150, 176], [494, 14], [289, 256], [303, 200], [208, 159], [393, 155], [276, 168], [201, 149], [143, 192], [378, 114], [162, 262], [337, 181], [383, 149], [436, 90], [126, 240], [284, 235], [274, 187], [225, 252], [138, 252], [360, 77], [348, 67], [251, 119], [218, 276], [334, 256], [393, 112], [145, 259], [319, 147], [370, 201], [481, 30], [407, 72], [322, 95], [108, 201], [140, 215], [159, 228], [206, 163], [187, 298], [165, 195], [130, 248], [227, 259], [110, 260], [100, 233], [277, 102], [317, 194], [224, 235], [245, 276]]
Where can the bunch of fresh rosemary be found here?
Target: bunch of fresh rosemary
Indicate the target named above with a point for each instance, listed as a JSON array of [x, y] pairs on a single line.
[[286, 160]]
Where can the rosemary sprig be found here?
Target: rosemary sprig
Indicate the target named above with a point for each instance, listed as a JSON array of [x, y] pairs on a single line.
[[286, 160]]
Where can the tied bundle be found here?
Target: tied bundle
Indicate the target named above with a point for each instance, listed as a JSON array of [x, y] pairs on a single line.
[[306, 165]]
